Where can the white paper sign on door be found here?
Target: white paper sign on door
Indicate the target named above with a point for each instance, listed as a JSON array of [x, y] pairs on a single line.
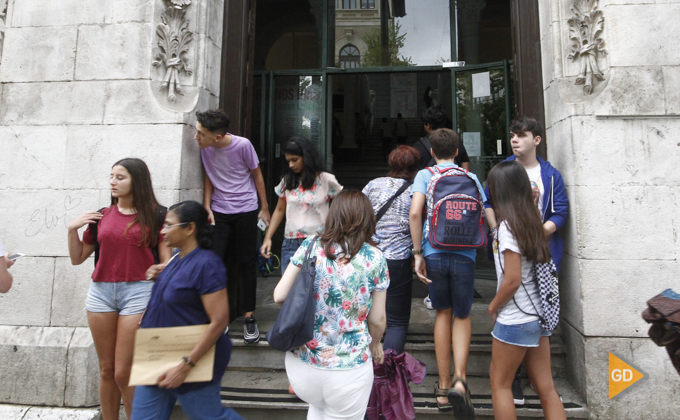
[[473, 143], [481, 85]]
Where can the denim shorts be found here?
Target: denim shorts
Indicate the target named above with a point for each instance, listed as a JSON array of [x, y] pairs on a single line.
[[126, 298], [523, 335], [288, 249], [453, 281]]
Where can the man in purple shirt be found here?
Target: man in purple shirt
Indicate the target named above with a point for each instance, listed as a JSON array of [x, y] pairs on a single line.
[[233, 183]]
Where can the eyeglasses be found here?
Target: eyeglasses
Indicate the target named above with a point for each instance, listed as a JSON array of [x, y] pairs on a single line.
[[167, 226]]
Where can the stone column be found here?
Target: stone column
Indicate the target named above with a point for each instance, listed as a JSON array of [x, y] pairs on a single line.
[[84, 83], [611, 102]]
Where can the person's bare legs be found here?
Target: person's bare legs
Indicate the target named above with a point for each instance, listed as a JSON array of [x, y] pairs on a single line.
[[103, 326], [461, 336], [537, 362], [505, 359], [125, 344], [442, 348]]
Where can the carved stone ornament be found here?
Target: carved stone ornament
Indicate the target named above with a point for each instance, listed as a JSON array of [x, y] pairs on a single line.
[[174, 38], [3, 17], [585, 32]]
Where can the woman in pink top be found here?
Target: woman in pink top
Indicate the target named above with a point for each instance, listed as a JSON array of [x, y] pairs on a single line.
[[305, 193], [129, 240]]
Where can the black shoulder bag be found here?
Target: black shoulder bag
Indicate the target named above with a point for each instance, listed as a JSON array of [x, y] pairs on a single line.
[[294, 326], [387, 205]]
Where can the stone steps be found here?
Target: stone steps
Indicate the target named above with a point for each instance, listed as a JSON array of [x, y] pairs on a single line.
[[256, 385], [420, 346], [256, 394]]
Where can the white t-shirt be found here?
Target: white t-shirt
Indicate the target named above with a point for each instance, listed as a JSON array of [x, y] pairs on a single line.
[[537, 185], [510, 314]]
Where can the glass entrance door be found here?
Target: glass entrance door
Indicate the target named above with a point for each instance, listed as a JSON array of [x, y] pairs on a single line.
[[483, 104], [289, 104]]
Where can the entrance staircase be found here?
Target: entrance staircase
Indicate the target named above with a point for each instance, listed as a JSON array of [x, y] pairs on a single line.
[[255, 383], [355, 169]]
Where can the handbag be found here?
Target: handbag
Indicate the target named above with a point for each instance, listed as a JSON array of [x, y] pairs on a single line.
[[389, 202], [294, 326], [391, 398]]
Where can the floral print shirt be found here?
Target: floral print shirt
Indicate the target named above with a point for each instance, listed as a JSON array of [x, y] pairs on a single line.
[[306, 210], [343, 299]]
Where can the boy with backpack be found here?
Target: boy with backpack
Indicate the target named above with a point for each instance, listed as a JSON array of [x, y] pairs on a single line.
[[444, 252]]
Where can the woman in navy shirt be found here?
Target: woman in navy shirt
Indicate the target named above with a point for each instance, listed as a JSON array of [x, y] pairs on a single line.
[[189, 290]]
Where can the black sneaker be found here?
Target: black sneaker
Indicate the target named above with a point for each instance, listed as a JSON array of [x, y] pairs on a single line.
[[251, 334], [517, 394]]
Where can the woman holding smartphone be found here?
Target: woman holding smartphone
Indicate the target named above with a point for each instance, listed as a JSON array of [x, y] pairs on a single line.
[[128, 237], [305, 193]]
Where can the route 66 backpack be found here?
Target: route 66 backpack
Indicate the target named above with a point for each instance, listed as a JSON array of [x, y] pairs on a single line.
[[455, 211]]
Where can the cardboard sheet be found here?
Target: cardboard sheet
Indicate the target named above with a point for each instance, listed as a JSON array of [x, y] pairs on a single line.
[[160, 349]]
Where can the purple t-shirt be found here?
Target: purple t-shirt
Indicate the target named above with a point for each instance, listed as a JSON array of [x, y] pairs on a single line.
[[229, 171]]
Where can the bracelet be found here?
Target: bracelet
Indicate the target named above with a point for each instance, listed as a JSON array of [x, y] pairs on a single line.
[[188, 361]]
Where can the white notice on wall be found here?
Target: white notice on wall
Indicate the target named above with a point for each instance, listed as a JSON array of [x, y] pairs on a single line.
[[481, 85], [473, 143]]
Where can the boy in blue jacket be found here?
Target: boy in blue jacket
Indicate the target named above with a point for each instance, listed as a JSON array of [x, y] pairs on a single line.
[[549, 195], [546, 182]]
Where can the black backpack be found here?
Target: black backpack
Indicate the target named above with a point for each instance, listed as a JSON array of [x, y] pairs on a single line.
[[160, 213]]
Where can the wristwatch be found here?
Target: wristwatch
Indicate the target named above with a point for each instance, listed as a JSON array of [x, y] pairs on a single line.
[[188, 361], [417, 251]]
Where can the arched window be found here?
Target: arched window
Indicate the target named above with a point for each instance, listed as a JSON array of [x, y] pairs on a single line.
[[350, 57]]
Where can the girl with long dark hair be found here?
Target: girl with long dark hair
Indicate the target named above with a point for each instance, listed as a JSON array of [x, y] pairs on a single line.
[[394, 239], [517, 335], [190, 290], [128, 237], [333, 372], [305, 192]]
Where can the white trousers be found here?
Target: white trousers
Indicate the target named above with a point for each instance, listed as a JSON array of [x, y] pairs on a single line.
[[331, 394]]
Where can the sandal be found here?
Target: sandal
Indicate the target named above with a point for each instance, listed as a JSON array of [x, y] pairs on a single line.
[[442, 393], [461, 402]]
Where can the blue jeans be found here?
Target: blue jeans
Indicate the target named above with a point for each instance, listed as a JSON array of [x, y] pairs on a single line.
[[126, 298], [154, 403], [398, 304], [288, 249], [453, 281]]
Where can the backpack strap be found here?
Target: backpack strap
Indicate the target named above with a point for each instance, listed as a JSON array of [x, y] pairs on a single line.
[[160, 213], [94, 228], [498, 248], [389, 202]]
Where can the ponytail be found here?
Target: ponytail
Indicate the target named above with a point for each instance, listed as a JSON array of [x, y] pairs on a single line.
[[194, 212]]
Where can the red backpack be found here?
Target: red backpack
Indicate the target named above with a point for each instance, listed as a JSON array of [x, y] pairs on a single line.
[[455, 211]]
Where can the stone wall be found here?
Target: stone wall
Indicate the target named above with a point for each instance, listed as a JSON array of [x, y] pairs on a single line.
[[618, 150], [79, 90]]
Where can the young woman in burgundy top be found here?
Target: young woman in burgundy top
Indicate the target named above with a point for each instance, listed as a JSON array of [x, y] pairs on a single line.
[[127, 234]]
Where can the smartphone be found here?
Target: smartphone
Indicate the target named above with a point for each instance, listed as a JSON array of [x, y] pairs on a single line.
[[16, 256], [262, 225]]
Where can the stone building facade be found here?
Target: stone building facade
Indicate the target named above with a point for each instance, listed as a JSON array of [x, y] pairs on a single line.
[[84, 83]]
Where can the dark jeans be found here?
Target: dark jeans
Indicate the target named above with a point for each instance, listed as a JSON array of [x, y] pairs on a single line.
[[288, 249], [235, 241], [398, 305]]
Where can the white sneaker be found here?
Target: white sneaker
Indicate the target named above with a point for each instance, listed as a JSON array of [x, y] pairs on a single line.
[[427, 302]]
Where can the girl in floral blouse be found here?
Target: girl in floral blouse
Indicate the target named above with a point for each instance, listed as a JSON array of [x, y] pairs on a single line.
[[334, 371], [305, 192]]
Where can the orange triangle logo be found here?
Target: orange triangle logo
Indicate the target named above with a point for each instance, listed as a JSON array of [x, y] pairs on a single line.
[[621, 376]]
